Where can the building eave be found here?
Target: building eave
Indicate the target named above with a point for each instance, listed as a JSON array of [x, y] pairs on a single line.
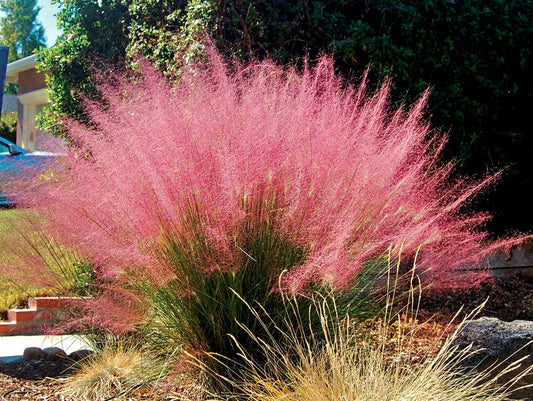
[[16, 67]]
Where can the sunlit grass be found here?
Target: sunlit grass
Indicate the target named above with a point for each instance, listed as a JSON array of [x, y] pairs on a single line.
[[31, 263], [10, 293], [116, 370], [340, 366], [6, 231]]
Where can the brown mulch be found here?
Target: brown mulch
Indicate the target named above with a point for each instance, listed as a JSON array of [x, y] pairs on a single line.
[[508, 299], [32, 380], [44, 380]]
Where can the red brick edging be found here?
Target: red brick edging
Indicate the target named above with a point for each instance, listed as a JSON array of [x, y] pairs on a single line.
[[42, 313]]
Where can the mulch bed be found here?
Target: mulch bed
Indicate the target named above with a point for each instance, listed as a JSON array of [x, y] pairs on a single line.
[[44, 380], [32, 380], [508, 300]]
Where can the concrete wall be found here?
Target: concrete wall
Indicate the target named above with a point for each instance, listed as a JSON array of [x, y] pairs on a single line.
[[9, 103], [517, 262]]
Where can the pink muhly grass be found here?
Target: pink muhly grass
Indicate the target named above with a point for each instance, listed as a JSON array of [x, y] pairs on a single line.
[[334, 169]]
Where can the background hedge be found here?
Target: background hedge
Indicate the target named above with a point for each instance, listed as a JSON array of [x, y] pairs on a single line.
[[475, 56]]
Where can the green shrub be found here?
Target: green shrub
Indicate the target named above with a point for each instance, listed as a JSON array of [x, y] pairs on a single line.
[[8, 126], [202, 311], [475, 56]]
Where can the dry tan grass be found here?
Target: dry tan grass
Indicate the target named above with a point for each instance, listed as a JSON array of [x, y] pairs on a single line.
[[343, 367], [113, 372]]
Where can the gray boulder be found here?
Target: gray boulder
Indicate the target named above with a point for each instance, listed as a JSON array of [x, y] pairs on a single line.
[[494, 341], [54, 353], [33, 353], [80, 354]]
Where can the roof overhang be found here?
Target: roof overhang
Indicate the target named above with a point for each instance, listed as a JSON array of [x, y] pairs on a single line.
[[16, 67]]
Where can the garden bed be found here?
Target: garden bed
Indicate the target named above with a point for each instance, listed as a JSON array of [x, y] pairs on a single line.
[[509, 299]]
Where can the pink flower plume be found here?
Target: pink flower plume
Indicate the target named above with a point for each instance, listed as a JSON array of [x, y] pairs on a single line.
[[331, 167]]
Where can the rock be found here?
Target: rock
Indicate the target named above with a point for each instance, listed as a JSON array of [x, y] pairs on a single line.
[[80, 355], [54, 353], [493, 341], [33, 353]]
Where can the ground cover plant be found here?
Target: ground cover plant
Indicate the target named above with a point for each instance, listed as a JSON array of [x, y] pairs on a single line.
[[8, 293], [239, 183]]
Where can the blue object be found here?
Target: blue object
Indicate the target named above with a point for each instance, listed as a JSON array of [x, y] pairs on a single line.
[[4, 51], [18, 166]]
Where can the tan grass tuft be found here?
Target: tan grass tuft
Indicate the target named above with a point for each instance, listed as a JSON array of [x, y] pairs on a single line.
[[340, 366], [113, 372]]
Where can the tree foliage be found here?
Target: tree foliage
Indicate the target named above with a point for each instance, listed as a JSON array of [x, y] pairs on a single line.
[[8, 126], [94, 37], [19, 28], [476, 58]]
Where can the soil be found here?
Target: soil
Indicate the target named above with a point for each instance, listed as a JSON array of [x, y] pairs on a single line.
[[508, 300]]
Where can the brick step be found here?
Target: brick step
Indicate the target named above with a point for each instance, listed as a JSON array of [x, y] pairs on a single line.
[[41, 313], [54, 302], [14, 328], [21, 315], [9, 328]]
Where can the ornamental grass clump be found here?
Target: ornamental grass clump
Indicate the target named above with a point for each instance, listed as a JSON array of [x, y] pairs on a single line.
[[342, 364], [246, 181], [112, 373]]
